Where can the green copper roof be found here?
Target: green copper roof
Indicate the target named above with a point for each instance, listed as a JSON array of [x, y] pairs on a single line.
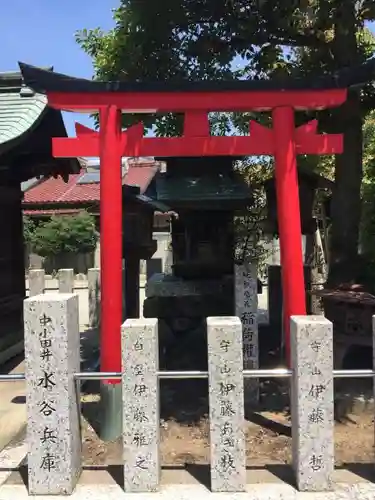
[[201, 188], [20, 109]]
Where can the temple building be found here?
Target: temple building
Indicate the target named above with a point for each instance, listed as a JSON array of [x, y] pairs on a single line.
[[53, 196], [27, 125]]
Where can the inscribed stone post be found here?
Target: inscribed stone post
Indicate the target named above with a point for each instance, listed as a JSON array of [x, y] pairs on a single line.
[[140, 392], [36, 282], [52, 356], [312, 402], [246, 308], [93, 279], [225, 380], [66, 280]]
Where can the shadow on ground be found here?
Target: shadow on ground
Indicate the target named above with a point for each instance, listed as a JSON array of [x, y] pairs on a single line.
[[12, 363], [201, 473]]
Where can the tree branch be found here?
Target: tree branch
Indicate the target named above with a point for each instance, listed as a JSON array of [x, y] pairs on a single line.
[[298, 40], [278, 37]]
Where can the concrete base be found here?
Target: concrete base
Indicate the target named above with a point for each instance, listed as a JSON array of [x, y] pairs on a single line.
[[184, 483], [111, 411], [361, 491], [12, 408]]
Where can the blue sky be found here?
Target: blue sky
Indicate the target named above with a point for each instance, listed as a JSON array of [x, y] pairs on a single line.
[[41, 32]]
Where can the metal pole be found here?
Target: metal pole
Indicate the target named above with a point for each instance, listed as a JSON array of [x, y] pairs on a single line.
[[353, 373], [179, 375], [12, 377]]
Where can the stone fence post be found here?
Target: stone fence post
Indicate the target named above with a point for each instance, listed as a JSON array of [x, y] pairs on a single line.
[[36, 282], [93, 281], [140, 392], [52, 356], [66, 280], [312, 402], [226, 399]]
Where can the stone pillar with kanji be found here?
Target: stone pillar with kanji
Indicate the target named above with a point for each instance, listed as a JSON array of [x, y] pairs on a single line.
[[312, 402], [52, 357], [246, 308], [225, 386]]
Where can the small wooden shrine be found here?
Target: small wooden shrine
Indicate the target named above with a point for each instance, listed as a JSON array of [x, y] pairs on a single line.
[[205, 192]]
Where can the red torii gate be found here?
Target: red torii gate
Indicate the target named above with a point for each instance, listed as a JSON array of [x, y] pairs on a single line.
[[284, 141]]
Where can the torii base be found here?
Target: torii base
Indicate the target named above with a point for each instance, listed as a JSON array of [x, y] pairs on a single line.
[[110, 411]]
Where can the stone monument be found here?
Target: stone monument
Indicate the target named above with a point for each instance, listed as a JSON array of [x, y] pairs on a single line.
[[36, 281], [312, 402], [140, 392], [246, 308], [52, 356], [225, 380], [66, 280], [93, 279]]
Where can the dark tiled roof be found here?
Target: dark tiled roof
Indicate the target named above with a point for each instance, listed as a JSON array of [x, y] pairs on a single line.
[[213, 187]]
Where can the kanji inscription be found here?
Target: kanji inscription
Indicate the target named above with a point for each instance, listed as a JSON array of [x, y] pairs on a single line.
[[52, 356], [246, 308], [226, 404], [141, 405], [312, 402]]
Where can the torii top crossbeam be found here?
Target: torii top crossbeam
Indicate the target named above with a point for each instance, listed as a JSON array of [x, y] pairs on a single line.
[[196, 99], [234, 95]]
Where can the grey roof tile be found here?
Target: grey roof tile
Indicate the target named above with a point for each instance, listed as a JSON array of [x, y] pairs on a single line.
[[20, 107]]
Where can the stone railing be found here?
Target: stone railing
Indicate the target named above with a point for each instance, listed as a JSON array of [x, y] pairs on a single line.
[[52, 359]]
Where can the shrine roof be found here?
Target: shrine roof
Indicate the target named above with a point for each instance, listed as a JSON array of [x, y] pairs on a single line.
[[208, 188], [27, 125], [44, 81], [54, 191], [20, 108]]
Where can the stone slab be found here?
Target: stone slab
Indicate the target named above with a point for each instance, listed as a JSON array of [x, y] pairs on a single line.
[[66, 280], [166, 285], [246, 308], [36, 282], [140, 392], [52, 356], [188, 306], [225, 378], [312, 402]]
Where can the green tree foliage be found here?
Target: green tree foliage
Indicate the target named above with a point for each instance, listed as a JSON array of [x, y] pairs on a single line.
[[368, 188], [65, 234], [200, 39], [28, 229]]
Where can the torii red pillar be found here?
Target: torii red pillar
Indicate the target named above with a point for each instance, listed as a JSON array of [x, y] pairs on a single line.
[[110, 238], [288, 215]]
